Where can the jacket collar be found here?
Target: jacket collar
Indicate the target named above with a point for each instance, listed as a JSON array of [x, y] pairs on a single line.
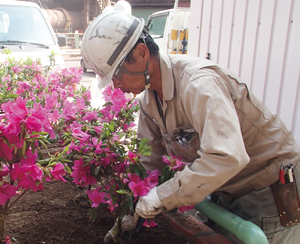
[[167, 77]]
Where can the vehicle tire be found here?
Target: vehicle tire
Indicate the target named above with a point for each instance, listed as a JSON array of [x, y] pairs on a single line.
[[82, 64]]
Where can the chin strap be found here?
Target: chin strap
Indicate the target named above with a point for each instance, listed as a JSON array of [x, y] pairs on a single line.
[[147, 77]]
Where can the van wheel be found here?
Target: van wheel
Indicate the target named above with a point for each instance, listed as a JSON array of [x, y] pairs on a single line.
[[82, 64]]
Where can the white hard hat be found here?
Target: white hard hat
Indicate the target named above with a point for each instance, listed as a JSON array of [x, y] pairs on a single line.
[[107, 41], [123, 6], [108, 8]]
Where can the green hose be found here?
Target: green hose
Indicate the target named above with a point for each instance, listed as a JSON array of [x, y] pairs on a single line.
[[246, 231]]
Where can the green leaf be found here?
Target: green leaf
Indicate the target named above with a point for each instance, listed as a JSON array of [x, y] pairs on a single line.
[[144, 148], [124, 209], [130, 202], [43, 143], [40, 133], [33, 147], [96, 170], [92, 213], [23, 148], [122, 191], [111, 127], [12, 96]]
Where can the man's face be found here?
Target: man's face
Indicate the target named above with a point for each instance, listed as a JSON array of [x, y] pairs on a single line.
[[127, 82]]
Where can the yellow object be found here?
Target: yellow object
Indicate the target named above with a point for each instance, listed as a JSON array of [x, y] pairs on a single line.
[[173, 52], [173, 34], [181, 35], [187, 35], [180, 52]]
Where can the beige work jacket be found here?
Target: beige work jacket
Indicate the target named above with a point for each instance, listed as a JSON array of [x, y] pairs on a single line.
[[235, 144]]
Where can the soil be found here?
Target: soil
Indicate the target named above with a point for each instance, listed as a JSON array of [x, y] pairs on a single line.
[[57, 215]]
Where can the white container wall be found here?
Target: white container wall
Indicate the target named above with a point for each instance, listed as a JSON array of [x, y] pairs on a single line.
[[259, 40]]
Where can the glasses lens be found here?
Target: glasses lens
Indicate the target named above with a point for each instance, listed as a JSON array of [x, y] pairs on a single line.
[[118, 74]]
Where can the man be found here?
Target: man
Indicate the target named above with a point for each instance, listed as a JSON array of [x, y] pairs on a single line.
[[193, 108]]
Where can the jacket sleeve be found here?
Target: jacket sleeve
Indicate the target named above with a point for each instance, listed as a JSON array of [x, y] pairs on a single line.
[[222, 154]]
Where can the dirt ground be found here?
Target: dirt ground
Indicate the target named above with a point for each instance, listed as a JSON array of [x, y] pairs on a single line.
[[55, 215]]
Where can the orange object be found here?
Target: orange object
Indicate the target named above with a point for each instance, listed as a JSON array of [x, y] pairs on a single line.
[[173, 34]]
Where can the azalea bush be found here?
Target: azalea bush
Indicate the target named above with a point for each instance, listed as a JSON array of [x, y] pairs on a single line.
[[106, 153], [30, 100], [101, 150]]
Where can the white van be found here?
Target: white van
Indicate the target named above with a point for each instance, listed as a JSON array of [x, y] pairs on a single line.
[[26, 32], [169, 29]]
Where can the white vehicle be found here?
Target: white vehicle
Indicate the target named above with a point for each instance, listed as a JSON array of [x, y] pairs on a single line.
[[169, 29], [26, 32]]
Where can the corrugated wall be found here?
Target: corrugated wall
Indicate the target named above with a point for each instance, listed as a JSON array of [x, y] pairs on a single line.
[[260, 41]]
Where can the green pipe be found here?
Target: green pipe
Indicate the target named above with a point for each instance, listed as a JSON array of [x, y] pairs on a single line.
[[245, 231]]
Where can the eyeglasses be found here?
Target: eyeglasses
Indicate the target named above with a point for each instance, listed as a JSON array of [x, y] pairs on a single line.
[[119, 73]]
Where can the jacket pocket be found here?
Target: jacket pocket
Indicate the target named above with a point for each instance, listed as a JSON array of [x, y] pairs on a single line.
[[185, 143]]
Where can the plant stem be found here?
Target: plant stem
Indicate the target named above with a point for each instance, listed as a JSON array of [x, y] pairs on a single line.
[[18, 198], [2, 217]]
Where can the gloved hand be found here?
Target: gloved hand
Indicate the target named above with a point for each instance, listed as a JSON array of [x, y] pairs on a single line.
[[149, 206], [128, 223]]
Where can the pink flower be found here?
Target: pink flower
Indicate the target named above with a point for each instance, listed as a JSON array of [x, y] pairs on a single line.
[[80, 103], [6, 152], [7, 191], [185, 208], [16, 68], [15, 111], [116, 97], [81, 174], [58, 172], [139, 189], [90, 116], [112, 205], [78, 133], [152, 179], [27, 175], [4, 171], [96, 196], [149, 225], [173, 161], [87, 95], [69, 111], [98, 150], [7, 240], [133, 157], [54, 116]]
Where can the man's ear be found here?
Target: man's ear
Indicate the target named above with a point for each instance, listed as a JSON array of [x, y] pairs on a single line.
[[142, 51]]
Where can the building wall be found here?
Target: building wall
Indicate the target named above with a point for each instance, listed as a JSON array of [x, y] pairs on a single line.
[[259, 41]]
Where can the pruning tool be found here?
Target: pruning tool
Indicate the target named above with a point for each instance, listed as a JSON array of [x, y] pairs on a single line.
[[289, 168], [131, 238]]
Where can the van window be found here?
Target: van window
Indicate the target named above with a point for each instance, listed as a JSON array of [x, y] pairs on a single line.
[[157, 25], [27, 24]]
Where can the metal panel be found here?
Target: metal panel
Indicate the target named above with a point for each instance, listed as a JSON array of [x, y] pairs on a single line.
[[195, 27], [216, 20], [250, 39], [205, 28], [259, 41], [238, 35], [277, 55], [289, 91], [225, 34], [262, 56]]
